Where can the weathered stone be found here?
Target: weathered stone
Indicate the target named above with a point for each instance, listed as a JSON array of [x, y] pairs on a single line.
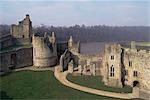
[[44, 51], [131, 66], [23, 29]]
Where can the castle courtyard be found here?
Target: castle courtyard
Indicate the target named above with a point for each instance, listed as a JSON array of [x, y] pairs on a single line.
[[74, 50]]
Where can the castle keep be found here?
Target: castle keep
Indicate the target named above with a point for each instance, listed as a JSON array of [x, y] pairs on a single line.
[[23, 29]]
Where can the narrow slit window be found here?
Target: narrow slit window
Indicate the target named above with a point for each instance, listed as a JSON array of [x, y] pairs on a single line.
[[130, 63], [112, 70], [112, 57]]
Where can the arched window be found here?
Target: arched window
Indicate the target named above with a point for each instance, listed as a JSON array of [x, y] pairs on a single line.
[[112, 71]]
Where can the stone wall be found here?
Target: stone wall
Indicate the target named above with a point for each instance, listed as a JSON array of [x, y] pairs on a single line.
[[87, 64], [144, 94], [20, 57], [111, 65], [61, 47], [90, 65], [65, 59], [22, 30], [139, 63], [131, 65]]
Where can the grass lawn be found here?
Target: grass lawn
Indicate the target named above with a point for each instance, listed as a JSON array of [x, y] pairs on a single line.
[[13, 47], [32, 85], [95, 82]]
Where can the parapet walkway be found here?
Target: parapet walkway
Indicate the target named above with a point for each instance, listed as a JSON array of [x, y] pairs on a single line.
[[61, 76]]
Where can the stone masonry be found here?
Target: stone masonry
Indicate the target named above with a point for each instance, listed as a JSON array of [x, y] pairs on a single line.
[[44, 50], [123, 65]]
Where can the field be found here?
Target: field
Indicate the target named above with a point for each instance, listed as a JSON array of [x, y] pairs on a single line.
[[39, 85], [95, 82]]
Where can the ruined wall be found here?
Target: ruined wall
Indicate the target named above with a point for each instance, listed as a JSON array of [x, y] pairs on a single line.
[[44, 51], [131, 65], [144, 94], [65, 58], [22, 30], [90, 65], [15, 31], [18, 58], [73, 47], [87, 64], [139, 62], [61, 47], [111, 65]]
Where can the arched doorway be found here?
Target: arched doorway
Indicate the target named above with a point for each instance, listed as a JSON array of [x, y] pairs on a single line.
[[136, 83], [66, 57]]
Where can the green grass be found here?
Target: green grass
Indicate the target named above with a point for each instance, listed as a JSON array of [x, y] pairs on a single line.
[[13, 47], [96, 83], [39, 85]]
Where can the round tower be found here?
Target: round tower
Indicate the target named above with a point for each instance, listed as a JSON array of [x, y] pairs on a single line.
[[43, 52]]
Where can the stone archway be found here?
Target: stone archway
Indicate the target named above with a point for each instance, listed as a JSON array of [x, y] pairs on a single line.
[[66, 58], [136, 83]]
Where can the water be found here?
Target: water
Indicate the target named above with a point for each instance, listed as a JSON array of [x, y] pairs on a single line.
[[92, 48]]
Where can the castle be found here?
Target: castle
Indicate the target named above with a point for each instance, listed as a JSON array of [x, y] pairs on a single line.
[[127, 66], [119, 64]]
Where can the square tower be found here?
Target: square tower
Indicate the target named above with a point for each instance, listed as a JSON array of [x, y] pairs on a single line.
[[22, 31], [112, 65]]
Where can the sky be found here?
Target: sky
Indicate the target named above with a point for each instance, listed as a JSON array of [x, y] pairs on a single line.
[[71, 12]]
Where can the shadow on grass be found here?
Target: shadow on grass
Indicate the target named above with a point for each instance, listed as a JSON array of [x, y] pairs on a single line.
[[4, 96]]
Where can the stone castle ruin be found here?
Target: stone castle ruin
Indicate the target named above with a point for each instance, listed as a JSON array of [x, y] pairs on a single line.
[[127, 65], [22, 32], [44, 50], [16, 48], [119, 64]]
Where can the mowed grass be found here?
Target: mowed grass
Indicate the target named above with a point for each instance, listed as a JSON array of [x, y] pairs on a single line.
[[30, 85], [96, 83]]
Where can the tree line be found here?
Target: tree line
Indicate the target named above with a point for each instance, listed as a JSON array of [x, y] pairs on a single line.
[[97, 33]]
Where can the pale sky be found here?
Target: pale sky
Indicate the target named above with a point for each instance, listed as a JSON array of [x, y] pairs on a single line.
[[71, 12]]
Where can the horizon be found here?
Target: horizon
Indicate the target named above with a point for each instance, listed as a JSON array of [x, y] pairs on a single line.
[[66, 13]]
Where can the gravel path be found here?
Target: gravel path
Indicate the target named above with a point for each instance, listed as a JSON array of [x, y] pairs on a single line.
[[61, 76]]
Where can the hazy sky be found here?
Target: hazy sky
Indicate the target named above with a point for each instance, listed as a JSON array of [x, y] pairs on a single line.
[[71, 12]]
